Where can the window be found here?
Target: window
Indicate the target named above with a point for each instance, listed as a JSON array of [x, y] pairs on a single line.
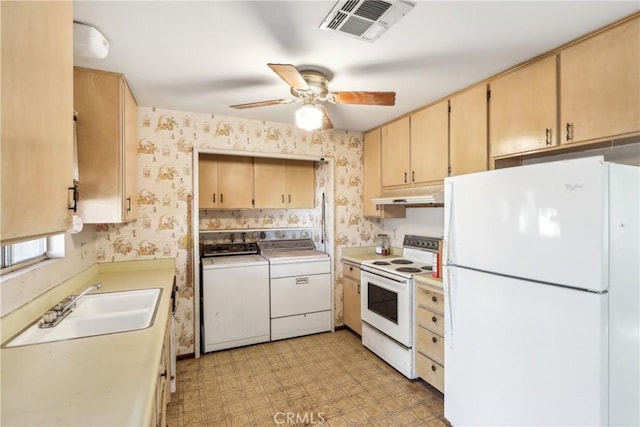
[[18, 255]]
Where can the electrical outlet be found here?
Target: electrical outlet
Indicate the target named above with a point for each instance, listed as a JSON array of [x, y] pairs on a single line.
[[83, 250]]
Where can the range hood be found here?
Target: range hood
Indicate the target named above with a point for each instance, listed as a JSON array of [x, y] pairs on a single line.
[[419, 196]]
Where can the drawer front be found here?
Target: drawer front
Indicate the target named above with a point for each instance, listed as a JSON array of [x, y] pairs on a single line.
[[352, 271], [301, 294], [303, 324], [430, 371], [430, 320], [430, 299], [430, 344]]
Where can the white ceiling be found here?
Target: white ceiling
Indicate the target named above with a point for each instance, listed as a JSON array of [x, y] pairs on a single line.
[[204, 56]]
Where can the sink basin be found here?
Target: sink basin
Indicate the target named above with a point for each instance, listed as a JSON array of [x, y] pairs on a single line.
[[98, 314], [117, 302]]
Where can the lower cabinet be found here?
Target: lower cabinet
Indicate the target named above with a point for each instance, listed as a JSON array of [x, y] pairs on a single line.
[[430, 334], [163, 386], [351, 298]]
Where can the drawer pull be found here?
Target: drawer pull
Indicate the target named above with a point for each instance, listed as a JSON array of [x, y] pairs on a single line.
[[434, 319], [434, 299], [433, 368], [434, 339], [302, 280]]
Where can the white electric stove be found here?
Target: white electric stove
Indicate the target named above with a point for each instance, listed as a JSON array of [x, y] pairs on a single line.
[[387, 300]]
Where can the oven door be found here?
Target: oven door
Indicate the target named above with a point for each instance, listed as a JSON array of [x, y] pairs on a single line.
[[386, 305]]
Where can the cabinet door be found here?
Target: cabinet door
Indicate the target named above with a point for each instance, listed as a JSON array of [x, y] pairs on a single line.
[[107, 155], [269, 181], [599, 85], [351, 302], [130, 118], [372, 184], [430, 143], [395, 153], [235, 182], [37, 118], [523, 109], [371, 175], [468, 131], [208, 181], [300, 184]]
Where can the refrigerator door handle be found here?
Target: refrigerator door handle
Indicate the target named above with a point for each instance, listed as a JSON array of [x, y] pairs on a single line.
[[448, 224], [449, 330]]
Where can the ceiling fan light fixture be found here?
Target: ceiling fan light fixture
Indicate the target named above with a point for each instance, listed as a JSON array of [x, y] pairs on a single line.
[[309, 117]]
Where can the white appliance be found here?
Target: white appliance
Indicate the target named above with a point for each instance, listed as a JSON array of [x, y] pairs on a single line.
[[300, 277], [542, 325], [387, 302], [234, 297]]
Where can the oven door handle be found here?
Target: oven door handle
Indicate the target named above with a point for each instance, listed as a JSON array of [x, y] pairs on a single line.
[[364, 270]]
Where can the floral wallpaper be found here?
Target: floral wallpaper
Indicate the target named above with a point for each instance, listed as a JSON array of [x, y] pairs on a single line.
[[166, 141]]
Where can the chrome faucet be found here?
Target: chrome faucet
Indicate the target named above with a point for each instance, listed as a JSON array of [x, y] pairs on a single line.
[[61, 310], [74, 299]]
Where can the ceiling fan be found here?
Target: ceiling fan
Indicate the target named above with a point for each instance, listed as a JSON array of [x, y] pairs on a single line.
[[312, 87]]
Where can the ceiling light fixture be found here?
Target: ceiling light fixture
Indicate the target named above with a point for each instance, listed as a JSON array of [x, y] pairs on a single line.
[[309, 117]]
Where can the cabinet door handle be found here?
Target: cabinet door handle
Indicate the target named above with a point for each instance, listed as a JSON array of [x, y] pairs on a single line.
[[434, 299], [214, 197], [434, 319], [547, 135], [433, 368], [164, 374], [302, 280], [221, 198], [128, 204], [405, 177], [358, 288], [413, 176], [289, 198], [434, 339], [283, 198], [569, 131]]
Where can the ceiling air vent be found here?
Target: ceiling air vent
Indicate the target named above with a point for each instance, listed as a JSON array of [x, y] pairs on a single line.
[[365, 19]]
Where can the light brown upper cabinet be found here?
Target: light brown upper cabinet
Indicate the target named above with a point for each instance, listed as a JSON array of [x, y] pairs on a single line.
[[107, 147], [468, 150], [599, 85], [300, 184], [523, 109], [396, 151], [225, 182], [37, 118], [371, 180], [430, 143], [284, 184]]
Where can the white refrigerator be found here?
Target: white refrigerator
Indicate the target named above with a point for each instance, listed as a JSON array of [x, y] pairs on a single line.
[[542, 278]]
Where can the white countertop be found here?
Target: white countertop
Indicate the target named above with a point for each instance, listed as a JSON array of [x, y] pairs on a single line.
[[101, 380]]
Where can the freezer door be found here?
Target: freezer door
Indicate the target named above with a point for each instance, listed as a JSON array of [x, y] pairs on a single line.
[[523, 353], [544, 222]]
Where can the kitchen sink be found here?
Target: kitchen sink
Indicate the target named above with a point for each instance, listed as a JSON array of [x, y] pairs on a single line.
[[97, 314]]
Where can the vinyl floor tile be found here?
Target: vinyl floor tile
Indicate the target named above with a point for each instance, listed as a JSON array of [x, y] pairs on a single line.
[[326, 379]]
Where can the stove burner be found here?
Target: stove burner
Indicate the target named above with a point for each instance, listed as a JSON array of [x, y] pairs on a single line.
[[408, 270], [380, 263], [401, 261], [427, 267]]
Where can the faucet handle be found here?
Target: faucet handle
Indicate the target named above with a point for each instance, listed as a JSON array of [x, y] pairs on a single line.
[[49, 316]]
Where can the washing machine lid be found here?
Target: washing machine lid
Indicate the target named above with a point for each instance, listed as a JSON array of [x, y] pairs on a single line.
[[233, 261]]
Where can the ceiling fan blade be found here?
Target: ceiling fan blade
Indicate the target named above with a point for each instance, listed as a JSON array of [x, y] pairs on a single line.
[[264, 103], [326, 121], [365, 98], [290, 75]]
